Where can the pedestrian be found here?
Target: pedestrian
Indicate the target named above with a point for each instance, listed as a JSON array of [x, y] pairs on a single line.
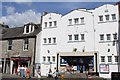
[[18, 70], [27, 72], [39, 72], [54, 73], [22, 71], [50, 74]]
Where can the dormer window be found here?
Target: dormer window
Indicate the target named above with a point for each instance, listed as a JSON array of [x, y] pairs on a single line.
[[29, 28]]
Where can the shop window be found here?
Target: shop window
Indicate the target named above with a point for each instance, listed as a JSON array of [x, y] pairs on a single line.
[[9, 44], [102, 58], [26, 43], [109, 58]]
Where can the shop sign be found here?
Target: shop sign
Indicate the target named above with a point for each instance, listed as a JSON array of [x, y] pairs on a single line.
[[104, 68]]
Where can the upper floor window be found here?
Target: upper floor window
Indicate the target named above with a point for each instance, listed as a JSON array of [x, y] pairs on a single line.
[[76, 36], [45, 24], [107, 17], [27, 29], [76, 20], [44, 58], [102, 58], [113, 16], [48, 58], [50, 24], [70, 21], [82, 20], [25, 44], [116, 58], [70, 37], [108, 36], [101, 36], [54, 40], [82, 37], [53, 58], [100, 18], [115, 36], [55, 23], [45, 40], [9, 44], [109, 58], [49, 40]]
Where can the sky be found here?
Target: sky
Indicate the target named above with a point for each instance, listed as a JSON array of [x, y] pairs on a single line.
[[16, 14]]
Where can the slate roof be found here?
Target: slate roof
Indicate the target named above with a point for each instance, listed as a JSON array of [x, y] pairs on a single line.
[[16, 33]]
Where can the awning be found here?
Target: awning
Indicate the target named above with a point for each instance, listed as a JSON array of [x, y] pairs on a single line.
[[21, 58]]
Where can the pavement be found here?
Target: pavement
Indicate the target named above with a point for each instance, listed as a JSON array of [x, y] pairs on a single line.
[[66, 76]]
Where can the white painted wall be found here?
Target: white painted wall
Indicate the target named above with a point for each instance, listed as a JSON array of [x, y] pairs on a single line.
[[91, 43]]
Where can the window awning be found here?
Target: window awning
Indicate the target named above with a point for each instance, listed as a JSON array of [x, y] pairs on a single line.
[[21, 58]]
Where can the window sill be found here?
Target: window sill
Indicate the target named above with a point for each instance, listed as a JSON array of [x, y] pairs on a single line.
[[76, 41], [50, 27], [106, 21], [25, 50], [105, 41], [76, 24], [51, 44]]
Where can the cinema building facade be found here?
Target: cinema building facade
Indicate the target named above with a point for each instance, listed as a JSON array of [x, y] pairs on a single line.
[[80, 37]]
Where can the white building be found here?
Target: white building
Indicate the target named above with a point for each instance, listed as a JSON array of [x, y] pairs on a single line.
[[76, 37]]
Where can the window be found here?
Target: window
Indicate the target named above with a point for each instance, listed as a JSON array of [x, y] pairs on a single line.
[[48, 58], [9, 44], [115, 36], [82, 20], [100, 18], [44, 58], [70, 21], [108, 36], [107, 17], [82, 37], [45, 40], [50, 24], [101, 36], [49, 40], [70, 37], [76, 36], [54, 40], [55, 23], [113, 16], [26, 42], [76, 20], [53, 58], [45, 24], [27, 29], [116, 58], [109, 58], [102, 58]]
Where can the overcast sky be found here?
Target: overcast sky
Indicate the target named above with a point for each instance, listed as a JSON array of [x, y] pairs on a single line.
[[16, 14]]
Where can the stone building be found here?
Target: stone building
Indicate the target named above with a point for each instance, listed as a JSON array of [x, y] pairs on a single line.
[[18, 47]]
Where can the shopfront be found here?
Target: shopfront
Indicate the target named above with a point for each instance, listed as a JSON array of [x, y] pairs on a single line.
[[82, 61]]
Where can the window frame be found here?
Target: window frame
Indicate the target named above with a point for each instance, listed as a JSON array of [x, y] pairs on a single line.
[[45, 23], [10, 44], [44, 59], [54, 39], [102, 58], [55, 23], [45, 40], [48, 58], [76, 20], [76, 37], [109, 59], [25, 43], [101, 37], [82, 37], [108, 37], [53, 58], [107, 17], [70, 21], [113, 16], [82, 20], [101, 18], [50, 24], [49, 40], [116, 58], [70, 37]]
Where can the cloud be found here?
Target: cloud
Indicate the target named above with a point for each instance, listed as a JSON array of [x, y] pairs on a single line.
[[10, 10], [19, 19]]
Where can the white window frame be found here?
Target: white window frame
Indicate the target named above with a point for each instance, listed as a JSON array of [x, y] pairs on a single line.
[[10, 43], [101, 37], [49, 40], [113, 16], [48, 58], [109, 59], [50, 24], [54, 40], [102, 58], [107, 17], [76, 37], [101, 18], [116, 58], [82, 37], [76, 20], [108, 37], [55, 23], [25, 44], [82, 20], [70, 21], [45, 40], [53, 58], [44, 59], [70, 37], [45, 23]]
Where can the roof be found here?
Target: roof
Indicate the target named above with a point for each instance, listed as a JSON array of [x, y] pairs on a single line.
[[17, 32]]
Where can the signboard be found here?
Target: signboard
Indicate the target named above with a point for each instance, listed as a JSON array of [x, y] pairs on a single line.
[[104, 68], [63, 61]]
